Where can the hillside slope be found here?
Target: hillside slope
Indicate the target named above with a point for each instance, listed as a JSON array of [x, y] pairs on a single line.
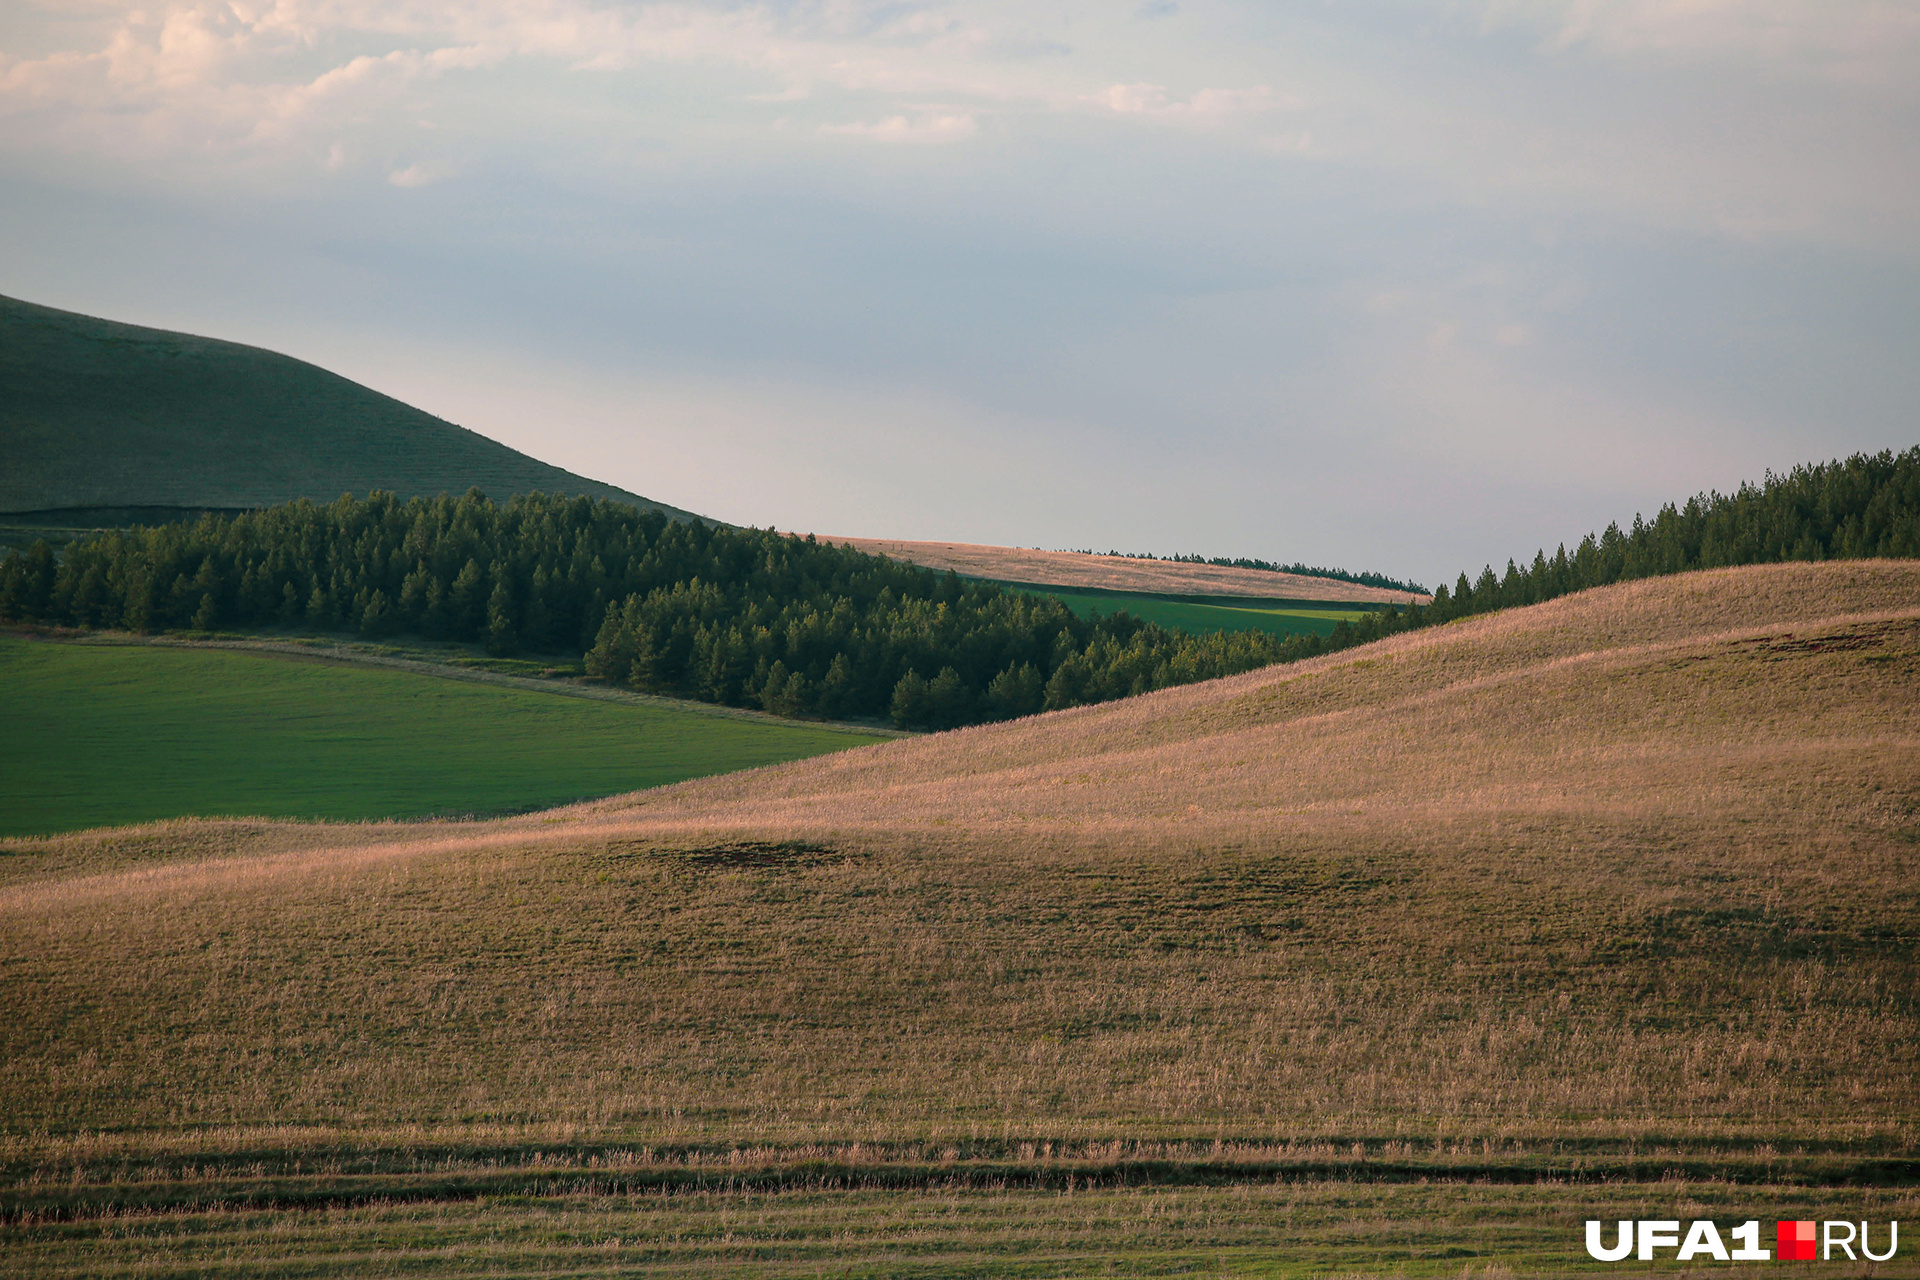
[[1636, 866], [97, 414], [1034, 567], [1701, 685]]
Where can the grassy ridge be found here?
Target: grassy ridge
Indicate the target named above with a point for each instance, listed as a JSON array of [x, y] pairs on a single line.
[[97, 414], [1085, 571], [104, 735]]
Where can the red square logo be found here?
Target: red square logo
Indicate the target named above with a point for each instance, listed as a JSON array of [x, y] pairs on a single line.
[[1794, 1241]]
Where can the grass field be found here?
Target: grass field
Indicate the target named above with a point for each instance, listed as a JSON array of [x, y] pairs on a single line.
[[101, 735], [1199, 619], [98, 414], [1400, 961]]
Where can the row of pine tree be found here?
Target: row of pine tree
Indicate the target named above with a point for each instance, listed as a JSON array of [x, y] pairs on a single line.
[[748, 617], [743, 617], [1866, 506]]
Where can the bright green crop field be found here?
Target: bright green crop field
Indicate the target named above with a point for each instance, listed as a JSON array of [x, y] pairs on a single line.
[[101, 735], [1200, 619]]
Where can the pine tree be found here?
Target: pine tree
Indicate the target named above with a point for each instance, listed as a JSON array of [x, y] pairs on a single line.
[[502, 637], [910, 706], [949, 702], [377, 618], [1017, 691]]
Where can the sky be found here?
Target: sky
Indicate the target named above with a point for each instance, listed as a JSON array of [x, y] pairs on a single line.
[[1407, 286]]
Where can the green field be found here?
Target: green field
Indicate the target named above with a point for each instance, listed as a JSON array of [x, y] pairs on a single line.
[[1200, 619], [97, 735]]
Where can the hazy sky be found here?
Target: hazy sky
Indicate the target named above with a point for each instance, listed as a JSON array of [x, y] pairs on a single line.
[[1405, 285]]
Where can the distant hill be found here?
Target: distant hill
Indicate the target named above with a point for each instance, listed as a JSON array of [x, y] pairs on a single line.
[[97, 415], [1077, 569]]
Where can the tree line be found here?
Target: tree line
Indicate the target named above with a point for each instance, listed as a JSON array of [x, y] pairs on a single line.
[[1861, 507], [749, 617], [742, 617], [1865, 506]]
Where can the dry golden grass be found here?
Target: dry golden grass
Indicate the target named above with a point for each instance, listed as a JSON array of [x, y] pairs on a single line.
[[1709, 697], [1117, 573], [1619, 884]]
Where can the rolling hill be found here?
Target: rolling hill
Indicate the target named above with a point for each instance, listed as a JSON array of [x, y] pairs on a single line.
[[107, 422], [1078, 570], [1589, 908]]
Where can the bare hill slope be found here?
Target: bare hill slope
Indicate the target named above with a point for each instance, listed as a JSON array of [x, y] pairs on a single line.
[[97, 414], [1632, 871], [1117, 573]]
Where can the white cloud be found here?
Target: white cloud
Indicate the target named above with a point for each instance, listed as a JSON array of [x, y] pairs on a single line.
[[1133, 97], [414, 175], [1868, 41], [199, 75], [927, 128], [1203, 106]]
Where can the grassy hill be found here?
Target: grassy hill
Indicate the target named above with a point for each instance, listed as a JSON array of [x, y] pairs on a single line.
[[1399, 960], [1025, 566], [113, 422]]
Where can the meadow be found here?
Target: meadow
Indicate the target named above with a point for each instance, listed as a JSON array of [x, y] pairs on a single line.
[[1398, 961], [109, 734]]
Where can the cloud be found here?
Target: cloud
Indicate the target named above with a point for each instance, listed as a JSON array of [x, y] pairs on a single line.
[[928, 128], [1872, 41], [1204, 106], [208, 75], [414, 175], [1128, 98], [194, 78]]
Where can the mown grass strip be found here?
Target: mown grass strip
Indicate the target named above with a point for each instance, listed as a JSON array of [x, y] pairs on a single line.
[[341, 1191], [1271, 1230]]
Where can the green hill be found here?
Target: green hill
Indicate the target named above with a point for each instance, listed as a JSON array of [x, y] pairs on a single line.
[[106, 422]]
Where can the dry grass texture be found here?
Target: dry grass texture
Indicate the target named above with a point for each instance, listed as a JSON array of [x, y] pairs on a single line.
[[1116, 573], [1630, 868]]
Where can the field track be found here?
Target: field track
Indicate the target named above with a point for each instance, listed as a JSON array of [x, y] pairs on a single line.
[[1403, 960]]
